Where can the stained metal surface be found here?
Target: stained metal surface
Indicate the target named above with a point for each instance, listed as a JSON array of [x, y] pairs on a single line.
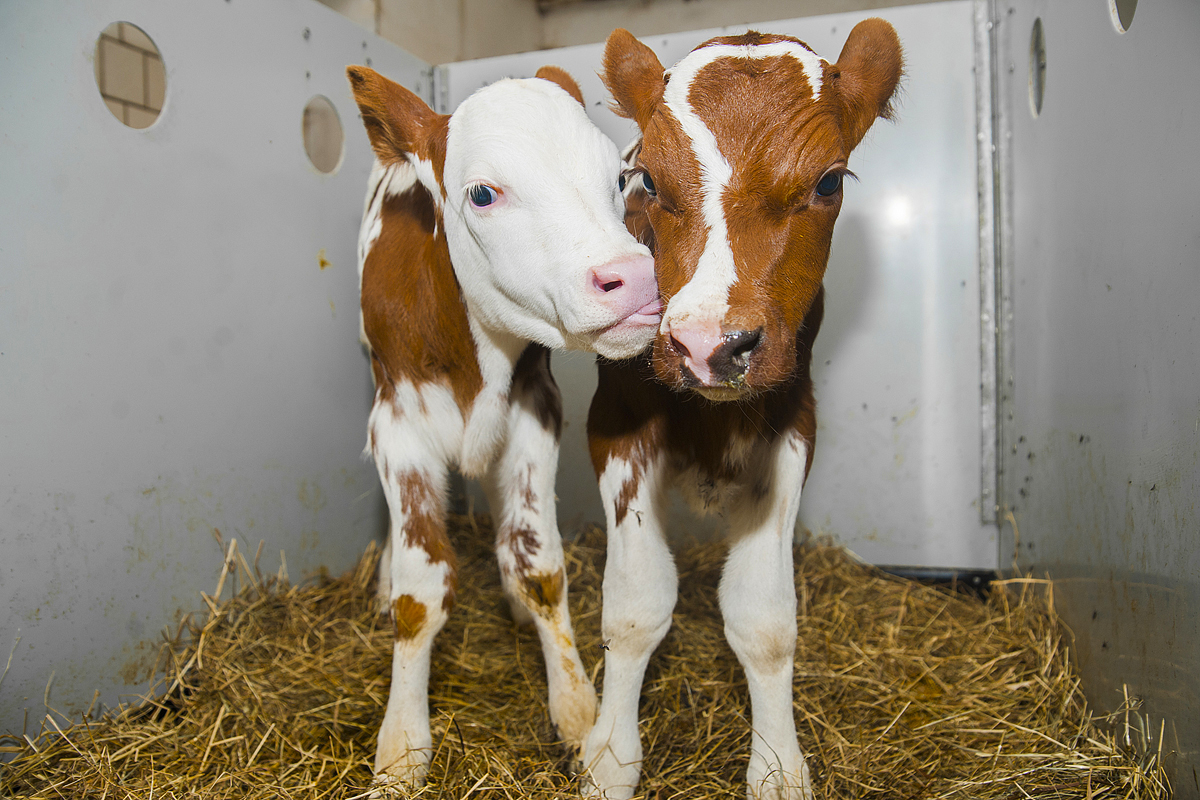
[[1104, 460], [897, 364], [178, 330]]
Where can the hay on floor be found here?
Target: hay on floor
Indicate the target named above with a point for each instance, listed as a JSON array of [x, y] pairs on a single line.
[[902, 691]]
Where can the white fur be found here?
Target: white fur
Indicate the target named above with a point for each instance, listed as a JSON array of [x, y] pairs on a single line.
[[526, 469], [640, 588], [705, 298], [525, 268], [523, 265], [758, 601]]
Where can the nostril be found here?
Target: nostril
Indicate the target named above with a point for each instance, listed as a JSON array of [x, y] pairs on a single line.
[[679, 347], [740, 344], [607, 283]]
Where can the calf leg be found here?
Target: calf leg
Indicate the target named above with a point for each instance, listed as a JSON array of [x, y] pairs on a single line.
[[520, 487], [421, 577], [758, 601], [640, 587]]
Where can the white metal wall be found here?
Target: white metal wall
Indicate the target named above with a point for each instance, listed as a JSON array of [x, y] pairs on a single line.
[[897, 471], [1102, 262], [178, 330]]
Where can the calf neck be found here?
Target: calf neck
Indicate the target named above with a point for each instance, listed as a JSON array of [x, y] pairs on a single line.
[[488, 237], [736, 183]]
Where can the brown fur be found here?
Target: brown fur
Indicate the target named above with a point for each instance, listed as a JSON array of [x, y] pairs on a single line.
[[563, 79], [780, 144], [533, 385], [408, 616], [427, 528], [413, 312]]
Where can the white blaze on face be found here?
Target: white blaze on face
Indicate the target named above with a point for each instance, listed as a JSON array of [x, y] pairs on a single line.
[[705, 298]]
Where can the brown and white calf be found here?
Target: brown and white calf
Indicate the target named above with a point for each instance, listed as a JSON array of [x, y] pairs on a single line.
[[488, 236], [744, 148]]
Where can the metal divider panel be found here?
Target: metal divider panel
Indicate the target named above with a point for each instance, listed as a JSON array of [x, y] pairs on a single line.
[[178, 329]]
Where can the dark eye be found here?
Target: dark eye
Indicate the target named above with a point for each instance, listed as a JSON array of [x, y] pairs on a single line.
[[621, 182], [482, 195], [830, 184], [648, 185]]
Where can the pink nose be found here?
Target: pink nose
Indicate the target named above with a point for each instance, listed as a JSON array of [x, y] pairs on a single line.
[[627, 286], [714, 356]]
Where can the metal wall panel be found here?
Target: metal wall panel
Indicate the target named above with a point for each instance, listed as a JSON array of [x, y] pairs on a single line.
[[897, 364], [178, 330], [1104, 455]]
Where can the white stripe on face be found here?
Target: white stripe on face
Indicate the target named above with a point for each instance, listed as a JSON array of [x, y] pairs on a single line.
[[706, 295]]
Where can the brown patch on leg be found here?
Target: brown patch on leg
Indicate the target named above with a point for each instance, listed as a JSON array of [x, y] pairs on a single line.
[[545, 590], [522, 542], [408, 615], [426, 528], [533, 386]]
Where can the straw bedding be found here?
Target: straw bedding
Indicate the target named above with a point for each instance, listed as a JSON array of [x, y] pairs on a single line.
[[902, 691]]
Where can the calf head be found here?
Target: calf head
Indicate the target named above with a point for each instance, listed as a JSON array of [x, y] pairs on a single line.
[[744, 149], [526, 191]]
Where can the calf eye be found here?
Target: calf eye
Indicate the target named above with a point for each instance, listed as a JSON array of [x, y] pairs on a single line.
[[829, 185], [621, 182], [648, 184], [482, 195]]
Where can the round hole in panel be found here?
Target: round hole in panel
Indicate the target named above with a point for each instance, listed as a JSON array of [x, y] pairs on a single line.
[[322, 134], [130, 74], [1122, 13], [1037, 67]]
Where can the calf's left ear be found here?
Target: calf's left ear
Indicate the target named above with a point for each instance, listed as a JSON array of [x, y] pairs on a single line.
[[399, 124], [868, 72], [564, 80]]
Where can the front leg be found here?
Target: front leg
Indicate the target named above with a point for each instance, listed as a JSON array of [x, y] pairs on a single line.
[[520, 489], [758, 601], [640, 588], [421, 578]]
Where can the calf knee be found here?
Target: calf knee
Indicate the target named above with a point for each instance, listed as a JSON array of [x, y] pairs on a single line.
[[765, 640]]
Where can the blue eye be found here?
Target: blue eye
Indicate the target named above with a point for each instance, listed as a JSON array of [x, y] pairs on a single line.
[[482, 195], [648, 184], [830, 184]]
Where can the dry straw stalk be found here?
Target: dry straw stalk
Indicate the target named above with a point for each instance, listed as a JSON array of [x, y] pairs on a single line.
[[902, 691]]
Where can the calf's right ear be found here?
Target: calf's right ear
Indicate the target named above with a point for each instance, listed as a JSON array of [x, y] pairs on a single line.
[[634, 75], [399, 124]]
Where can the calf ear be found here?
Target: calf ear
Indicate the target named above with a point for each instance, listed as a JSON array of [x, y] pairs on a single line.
[[563, 79], [869, 70], [399, 124], [634, 75]]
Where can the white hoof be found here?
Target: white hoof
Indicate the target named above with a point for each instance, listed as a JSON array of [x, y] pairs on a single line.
[[607, 775]]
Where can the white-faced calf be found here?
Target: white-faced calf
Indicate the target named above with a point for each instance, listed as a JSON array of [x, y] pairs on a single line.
[[488, 236], [738, 182]]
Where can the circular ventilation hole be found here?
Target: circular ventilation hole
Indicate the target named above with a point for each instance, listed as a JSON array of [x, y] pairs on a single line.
[[322, 134], [1037, 67], [1122, 13], [130, 74]]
